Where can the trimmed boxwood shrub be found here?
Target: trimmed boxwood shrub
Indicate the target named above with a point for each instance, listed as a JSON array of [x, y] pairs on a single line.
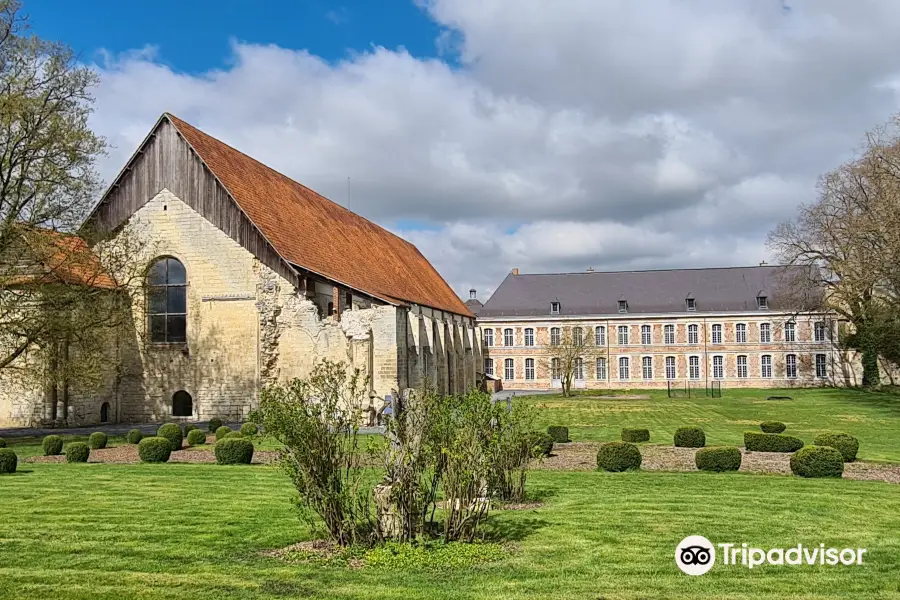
[[618, 456], [155, 449], [558, 433], [541, 444], [188, 427], [772, 426], [817, 461], [755, 441], [233, 434], [97, 440], [2, 443], [214, 424], [135, 436], [196, 437], [222, 431], [718, 459], [846, 444], [171, 432], [635, 434], [690, 437], [234, 451], [52, 445], [8, 460], [249, 429], [77, 452]]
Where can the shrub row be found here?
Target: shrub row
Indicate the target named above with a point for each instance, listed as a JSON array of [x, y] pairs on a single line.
[[635, 434], [8, 460], [718, 459], [755, 441], [846, 444], [690, 437], [817, 461], [618, 456]]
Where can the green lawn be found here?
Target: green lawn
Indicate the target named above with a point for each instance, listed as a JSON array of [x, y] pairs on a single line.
[[872, 417], [195, 531]]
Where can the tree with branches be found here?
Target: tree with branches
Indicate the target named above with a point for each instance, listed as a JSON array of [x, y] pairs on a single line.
[[569, 348]]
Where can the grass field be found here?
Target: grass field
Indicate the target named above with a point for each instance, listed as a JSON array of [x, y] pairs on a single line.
[[872, 417], [197, 531]]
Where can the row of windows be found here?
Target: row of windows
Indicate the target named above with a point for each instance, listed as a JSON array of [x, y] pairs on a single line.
[[718, 367], [820, 334], [690, 304]]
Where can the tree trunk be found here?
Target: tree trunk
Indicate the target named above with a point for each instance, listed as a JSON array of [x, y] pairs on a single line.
[[65, 381], [51, 383], [868, 349]]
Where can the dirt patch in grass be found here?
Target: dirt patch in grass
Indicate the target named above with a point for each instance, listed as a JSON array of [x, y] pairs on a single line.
[[582, 456], [128, 454], [520, 505]]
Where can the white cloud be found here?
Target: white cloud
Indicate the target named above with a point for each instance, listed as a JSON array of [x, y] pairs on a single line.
[[574, 133]]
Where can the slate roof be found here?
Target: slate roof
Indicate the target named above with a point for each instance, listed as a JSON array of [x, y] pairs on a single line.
[[726, 289], [318, 235]]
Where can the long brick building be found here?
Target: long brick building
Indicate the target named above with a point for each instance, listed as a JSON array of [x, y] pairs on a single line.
[[683, 327]]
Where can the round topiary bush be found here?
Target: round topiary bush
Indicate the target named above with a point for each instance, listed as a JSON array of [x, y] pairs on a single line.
[[234, 451], [541, 444], [817, 461], [52, 445], [196, 437], [214, 424], [8, 460], [222, 431], [772, 426], [249, 429], [635, 434], [233, 434], [618, 456], [77, 452], [755, 441], [718, 459], [135, 436], [559, 434], [690, 437], [171, 432], [154, 449], [188, 427], [844, 443], [97, 440], [2, 443]]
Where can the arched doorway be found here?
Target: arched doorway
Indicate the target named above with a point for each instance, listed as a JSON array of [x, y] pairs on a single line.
[[182, 404], [104, 412]]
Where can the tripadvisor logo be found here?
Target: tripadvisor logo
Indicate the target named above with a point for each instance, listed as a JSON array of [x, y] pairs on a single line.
[[696, 555]]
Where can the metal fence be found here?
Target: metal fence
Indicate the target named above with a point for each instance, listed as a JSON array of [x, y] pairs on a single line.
[[693, 389]]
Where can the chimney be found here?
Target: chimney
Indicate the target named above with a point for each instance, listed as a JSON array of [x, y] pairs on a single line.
[[763, 263], [472, 294], [515, 271], [590, 269]]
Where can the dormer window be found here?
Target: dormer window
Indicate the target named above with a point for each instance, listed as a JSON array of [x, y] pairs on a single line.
[[554, 308], [690, 304], [762, 303], [623, 306]]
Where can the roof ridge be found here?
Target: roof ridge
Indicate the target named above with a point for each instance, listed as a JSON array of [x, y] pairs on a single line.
[[733, 267]]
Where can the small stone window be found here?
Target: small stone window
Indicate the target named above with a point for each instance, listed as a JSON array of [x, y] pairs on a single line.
[[554, 308], [690, 304], [762, 302], [623, 306], [182, 404]]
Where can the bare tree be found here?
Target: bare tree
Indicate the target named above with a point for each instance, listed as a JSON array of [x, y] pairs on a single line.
[[569, 348]]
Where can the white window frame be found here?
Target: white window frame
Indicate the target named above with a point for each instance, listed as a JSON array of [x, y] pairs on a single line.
[[647, 368], [555, 336], [712, 333], [577, 336], [762, 303], [671, 368], [529, 369], [620, 330], [690, 304], [529, 336], [509, 366], [489, 366], [790, 370], [646, 335], [820, 332], [624, 367], [767, 327], [600, 335], [622, 306], [743, 370], [509, 337], [740, 333], [488, 336], [696, 328], [601, 369], [555, 371], [823, 374], [669, 328], [718, 366], [763, 366], [578, 369], [554, 308], [793, 330], [694, 367]]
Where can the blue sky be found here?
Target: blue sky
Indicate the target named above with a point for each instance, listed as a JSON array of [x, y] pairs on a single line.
[[193, 36]]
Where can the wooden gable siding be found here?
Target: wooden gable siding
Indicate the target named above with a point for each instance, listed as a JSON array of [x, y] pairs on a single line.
[[166, 160]]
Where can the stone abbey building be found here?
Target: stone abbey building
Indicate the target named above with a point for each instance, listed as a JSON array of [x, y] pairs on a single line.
[[251, 277]]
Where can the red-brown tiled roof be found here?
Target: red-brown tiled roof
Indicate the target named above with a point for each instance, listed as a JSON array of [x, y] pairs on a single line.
[[320, 236], [62, 258]]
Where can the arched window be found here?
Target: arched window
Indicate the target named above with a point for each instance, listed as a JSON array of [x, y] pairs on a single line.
[[104, 412], [182, 404], [167, 301]]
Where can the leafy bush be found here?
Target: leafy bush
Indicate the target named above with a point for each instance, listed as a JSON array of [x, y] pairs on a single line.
[[817, 461], [171, 432], [155, 449], [187, 428], [249, 429], [690, 437], [222, 431], [511, 450], [635, 434], [135, 436], [755, 441], [846, 444], [2, 443], [559, 434], [77, 452], [214, 424], [232, 435], [541, 443], [8, 460], [196, 437], [52, 445], [718, 459], [772, 426], [97, 440], [234, 451], [618, 456]]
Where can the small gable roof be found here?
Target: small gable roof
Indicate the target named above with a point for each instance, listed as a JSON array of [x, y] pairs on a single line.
[[320, 236]]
